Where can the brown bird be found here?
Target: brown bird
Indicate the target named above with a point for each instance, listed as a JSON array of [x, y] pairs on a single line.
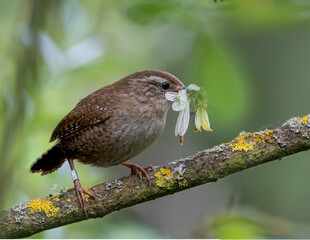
[[111, 126]]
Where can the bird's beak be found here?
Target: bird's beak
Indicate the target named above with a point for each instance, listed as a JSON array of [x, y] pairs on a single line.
[[181, 88]]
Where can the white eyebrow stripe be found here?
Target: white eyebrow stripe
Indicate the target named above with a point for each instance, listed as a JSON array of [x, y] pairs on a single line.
[[152, 78]]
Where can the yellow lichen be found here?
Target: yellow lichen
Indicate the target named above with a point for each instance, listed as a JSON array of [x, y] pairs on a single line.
[[167, 179], [304, 120], [242, 144], [42, 204], [55, 197], [88, 190], [68, 200], [163, 176], [247, 142], [163, 173]]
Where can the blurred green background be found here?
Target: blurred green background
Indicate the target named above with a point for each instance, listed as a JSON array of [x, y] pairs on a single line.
[[252, 57]]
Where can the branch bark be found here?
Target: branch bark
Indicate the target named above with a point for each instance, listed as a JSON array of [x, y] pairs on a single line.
[[245, 151]]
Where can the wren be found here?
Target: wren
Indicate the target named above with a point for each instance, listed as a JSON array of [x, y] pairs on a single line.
[[111, 126]]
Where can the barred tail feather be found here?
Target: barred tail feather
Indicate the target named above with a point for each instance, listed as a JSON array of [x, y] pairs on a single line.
[[49, 161]]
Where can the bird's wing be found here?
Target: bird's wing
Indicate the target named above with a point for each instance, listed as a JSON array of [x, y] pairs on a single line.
[[93, 109]]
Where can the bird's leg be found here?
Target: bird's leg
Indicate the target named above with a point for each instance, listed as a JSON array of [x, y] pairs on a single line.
[[139, 171], [78, 188]]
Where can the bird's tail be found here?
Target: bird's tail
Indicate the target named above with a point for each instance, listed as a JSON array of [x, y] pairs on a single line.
[[49, 161]]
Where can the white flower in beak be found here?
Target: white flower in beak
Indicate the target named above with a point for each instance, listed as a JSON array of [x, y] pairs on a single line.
[[181, 105]]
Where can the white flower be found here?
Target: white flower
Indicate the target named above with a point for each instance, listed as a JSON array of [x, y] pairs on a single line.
[[202, 119], [181, 105]]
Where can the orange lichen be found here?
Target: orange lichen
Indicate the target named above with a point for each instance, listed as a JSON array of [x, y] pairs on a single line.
[[266, 137], [304, 119], [42, 204], [248, 141]]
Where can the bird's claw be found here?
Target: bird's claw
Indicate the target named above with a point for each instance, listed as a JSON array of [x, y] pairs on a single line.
[[139, 171], [80, 194]]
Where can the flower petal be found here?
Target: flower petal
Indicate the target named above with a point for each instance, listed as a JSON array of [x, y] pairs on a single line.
[[206, 122], [171, 96], [183, 121], [193, 87], [177, 125], [197, 121], [178, 106], [202, 120], [182, 96]]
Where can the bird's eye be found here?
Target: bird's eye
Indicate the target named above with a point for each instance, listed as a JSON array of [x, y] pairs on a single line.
[[165, 85]]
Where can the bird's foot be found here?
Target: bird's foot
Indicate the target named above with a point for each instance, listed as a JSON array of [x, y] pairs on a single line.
[[78, 188], [139, 171], [80, 194]]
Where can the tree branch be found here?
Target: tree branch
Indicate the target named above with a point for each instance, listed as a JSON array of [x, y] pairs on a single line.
[[246, 151]]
